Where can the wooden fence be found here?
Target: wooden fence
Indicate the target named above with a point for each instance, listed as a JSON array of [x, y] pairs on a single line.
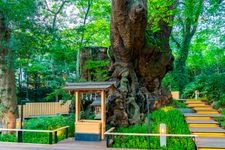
[[44, 108]]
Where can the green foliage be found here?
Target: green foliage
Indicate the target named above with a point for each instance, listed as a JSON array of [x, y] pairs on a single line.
[[51, 123], [88, 115], [8, 138], [222, 121], [178, 104], [48, 58], [158, 11], [98, 69], [175, 123], [210, 86], [43, 123], [61, 94], [18, 11]]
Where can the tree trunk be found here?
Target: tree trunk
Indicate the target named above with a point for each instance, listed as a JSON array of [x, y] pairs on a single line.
[[189, 24], [7, 79], [180, 73], [137, 67]]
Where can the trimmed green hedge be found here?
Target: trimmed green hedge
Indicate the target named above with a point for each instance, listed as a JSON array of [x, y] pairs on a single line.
[[175, 122], [43, 123]]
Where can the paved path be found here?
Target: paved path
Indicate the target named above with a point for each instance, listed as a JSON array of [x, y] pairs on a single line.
[[210, 142], [68, 144], [201, 123]]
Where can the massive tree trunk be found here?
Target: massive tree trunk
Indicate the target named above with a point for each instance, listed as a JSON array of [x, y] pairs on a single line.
[[137, 67], [7, 79]]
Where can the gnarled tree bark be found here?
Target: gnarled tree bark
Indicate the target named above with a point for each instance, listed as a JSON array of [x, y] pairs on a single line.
[[137, 67], [7, 79]]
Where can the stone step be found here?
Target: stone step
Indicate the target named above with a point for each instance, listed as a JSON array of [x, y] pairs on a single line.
[[205, 106], [207, 112], [207, 148], [201, 115], [208, 108], [210, 143], [202, 125], [197, 105], [197, 118], [202, 121], [207, 130], [194, 102], [205, 134]]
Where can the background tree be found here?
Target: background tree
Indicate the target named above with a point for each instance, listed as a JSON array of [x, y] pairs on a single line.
[[187, 23], [49, 58], [15, 19]]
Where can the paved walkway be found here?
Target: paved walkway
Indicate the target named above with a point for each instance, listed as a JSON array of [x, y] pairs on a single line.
[[68, 144], [201, 123]]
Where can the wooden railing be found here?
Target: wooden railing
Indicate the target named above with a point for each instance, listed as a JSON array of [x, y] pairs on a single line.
[[44, 108], [50, 132]]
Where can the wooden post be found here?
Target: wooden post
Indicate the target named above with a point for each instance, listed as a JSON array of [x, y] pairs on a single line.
[[103, 113], [77, 106], [111, 90]]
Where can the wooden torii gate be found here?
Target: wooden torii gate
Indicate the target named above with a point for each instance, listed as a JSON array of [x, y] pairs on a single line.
[[90, 130]]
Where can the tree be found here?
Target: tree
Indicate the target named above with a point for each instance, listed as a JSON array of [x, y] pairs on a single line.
[[7, 78], [187, 19], [141, 56], [186, 25], [21, 9]]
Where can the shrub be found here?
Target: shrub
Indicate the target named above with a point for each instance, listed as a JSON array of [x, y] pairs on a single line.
[[48, 123], [178, 104], [175, 123], [210, 86], [8, 138], [51, 123], [43, 123]]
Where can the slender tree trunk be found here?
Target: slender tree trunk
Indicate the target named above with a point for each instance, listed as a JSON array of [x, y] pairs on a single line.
[[180, 73], [137, 67], [7, 79], [78, 65], [189, 24]]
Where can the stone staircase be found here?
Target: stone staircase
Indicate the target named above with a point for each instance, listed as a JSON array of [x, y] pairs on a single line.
[[202, 123]]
